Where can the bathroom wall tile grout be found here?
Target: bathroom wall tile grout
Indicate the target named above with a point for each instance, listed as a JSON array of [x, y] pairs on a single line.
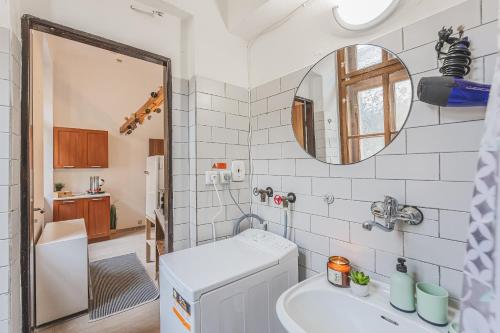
[[192, 199], [441, 185], [9, 185], [220, 133]]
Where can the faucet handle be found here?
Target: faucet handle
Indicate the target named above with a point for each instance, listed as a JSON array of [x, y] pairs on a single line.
[[378, 209], [263, 193], [390, 203]]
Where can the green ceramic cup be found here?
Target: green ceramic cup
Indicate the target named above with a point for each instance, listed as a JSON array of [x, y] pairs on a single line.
[[432, 303]]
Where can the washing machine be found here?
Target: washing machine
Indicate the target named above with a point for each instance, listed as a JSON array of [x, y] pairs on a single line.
[[229, 286]]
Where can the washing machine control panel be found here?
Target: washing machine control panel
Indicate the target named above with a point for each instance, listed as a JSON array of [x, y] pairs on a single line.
[[269, 242]]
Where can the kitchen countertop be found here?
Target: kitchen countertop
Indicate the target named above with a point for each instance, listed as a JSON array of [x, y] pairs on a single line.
[[83, 196]]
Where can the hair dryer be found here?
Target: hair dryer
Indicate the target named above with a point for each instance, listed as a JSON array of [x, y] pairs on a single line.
[[452, 91]]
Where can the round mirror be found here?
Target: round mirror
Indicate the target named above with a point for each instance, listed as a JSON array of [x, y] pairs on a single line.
[[351, 104]]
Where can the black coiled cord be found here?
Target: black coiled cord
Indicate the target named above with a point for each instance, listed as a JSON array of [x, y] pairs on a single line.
[[457, 60]]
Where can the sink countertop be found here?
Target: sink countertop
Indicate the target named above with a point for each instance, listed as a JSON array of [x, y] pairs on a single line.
[[324, 301], [83, 196]]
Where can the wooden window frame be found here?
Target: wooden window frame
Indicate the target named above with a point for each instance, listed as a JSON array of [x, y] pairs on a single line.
[[345, 79]]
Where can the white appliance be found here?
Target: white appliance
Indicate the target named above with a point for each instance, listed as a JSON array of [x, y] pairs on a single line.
[[229, 286], [154, 184], [61, 277]]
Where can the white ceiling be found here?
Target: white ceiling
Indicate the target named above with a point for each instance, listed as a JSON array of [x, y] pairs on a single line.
[[248, 18], [63, 49], [243, 18]]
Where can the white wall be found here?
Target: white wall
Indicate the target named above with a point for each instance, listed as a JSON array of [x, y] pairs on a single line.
[[209, 48], [38, 132], [94, 91], [430, 164], [311, 33], [10, 16], [192, 33], [224, 59], [48, 133], [218, 54], [42, 101], [113, 19]]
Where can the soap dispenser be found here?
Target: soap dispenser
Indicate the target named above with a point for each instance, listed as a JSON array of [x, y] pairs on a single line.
[[402, 288]]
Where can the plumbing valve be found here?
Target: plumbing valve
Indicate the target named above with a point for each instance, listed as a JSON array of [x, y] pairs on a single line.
[[263, 193], [281, 199]]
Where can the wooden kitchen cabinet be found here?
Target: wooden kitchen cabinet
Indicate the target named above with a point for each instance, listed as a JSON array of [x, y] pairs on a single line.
[[98, 217], [70, 148], [97, 149], [80, 148], [95, 212], [156, 147], [69, 209]]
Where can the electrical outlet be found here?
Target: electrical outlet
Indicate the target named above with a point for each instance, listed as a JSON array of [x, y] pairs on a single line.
[[211, 177], [225, 176]]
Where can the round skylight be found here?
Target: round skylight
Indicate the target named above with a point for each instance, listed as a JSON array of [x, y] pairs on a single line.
[[363, 14]]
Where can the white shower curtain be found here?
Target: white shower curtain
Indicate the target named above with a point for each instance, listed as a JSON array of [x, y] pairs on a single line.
[[480, 303]]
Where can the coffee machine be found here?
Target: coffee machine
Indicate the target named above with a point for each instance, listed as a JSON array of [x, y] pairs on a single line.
[[96, 184]]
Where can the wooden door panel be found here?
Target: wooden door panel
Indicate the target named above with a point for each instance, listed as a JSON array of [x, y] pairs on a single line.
[[298, 122], [98, 217], [97, 149], [70, 148]]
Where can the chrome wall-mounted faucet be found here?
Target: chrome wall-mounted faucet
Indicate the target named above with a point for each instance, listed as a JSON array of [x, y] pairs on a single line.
[[392, 212]]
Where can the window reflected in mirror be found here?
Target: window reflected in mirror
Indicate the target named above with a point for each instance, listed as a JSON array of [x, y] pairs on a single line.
[[351, 104]]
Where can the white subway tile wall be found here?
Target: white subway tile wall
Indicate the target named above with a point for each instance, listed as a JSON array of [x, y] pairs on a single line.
[[219, 129], [10, 104], [431, 164], [180, 162]]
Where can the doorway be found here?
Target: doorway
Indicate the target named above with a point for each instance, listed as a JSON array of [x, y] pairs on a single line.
[[76, 144], [303, 124]]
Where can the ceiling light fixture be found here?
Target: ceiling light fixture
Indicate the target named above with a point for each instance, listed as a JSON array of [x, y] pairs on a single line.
[[358, 15]]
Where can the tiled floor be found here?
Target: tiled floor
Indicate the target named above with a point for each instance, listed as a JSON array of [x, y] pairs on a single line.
[[144, 319]]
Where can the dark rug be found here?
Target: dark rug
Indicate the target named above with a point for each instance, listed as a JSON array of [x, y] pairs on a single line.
[[119, 284]]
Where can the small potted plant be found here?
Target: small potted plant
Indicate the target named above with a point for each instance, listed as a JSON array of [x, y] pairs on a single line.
[[359, 283], [58, 186]]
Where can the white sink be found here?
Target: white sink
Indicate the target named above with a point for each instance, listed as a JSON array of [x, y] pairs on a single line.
[[316, 306]]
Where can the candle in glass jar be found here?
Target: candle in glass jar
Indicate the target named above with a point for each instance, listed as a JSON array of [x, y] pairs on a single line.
[[338, 269]]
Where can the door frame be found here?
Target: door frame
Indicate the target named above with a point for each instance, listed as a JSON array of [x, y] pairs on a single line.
[[28, 23]]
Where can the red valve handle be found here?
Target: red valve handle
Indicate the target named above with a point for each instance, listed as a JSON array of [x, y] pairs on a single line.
[[278, 199]]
